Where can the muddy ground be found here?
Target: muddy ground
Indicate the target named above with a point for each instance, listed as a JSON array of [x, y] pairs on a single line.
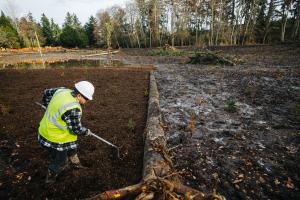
[[254, 151], [234, 129], [119, 97]]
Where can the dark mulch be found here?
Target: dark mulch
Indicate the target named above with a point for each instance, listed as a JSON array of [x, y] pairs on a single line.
[[120, 95]]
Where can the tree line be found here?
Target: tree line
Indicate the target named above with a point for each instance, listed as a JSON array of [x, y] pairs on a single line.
[[152, 23], [25, 32]]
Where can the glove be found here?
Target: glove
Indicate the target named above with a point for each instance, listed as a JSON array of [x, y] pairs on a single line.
[[88, 133]]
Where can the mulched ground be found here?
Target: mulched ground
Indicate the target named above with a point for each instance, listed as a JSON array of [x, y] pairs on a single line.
[[120, 94]]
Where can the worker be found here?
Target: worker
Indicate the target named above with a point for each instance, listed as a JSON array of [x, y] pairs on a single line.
[[61, 124]]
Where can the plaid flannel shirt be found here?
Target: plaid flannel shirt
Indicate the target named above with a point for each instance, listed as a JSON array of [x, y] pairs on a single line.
[[73, 119]]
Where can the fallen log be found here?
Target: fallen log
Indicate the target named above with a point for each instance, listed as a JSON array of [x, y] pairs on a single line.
[[99, 54], [160, 181]]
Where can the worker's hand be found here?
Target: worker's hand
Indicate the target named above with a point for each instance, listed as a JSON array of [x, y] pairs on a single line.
[[88, 133]]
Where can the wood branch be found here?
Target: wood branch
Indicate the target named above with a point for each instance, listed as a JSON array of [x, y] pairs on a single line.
[[119, 193], [208, 57], [99, 54], [188, 192]]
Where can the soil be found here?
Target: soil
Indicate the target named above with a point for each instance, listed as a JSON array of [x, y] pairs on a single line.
[[119, 97], [235, 129]]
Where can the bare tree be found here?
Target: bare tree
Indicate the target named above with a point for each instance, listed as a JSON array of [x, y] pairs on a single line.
[[285, 9], [268, 19], [212, 22], [296, 24]]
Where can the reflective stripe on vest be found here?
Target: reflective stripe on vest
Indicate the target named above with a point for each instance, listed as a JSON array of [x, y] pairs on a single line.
[[58, 113]]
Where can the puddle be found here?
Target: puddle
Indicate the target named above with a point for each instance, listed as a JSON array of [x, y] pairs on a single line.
[[63, 64]]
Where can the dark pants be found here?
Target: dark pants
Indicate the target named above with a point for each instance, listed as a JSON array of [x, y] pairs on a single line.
[[58, 159]]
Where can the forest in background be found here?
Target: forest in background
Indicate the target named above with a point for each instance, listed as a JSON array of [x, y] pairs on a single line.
[[154, 23]]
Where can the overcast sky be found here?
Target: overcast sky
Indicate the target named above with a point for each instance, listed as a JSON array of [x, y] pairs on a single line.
[[57, 9]]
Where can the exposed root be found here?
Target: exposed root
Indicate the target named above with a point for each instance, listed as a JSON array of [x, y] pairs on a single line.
[[119, 193], [160, 188]]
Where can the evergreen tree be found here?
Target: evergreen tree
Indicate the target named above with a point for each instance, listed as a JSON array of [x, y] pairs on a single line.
[[68, 20], [73, 35], [8, 34], [69, 37], [56, 31], [46, 30], [89, 28], [75, 22]]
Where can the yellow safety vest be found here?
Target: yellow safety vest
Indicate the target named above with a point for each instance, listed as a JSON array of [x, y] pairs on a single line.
[[52, 127]]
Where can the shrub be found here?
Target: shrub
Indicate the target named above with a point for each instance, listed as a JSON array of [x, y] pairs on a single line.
[[131, 125], [231, 106], [146, 93]]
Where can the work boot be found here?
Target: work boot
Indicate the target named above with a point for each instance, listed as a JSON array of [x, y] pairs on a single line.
[[74, 159], [50, 177]]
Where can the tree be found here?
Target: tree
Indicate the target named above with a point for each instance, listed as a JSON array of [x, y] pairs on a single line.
[[147, 23], [154, 19], [121, 33], [261, 21], [56, 31], [89, 28], [27, 30], [285, 8], [73, 35], [268, 20], [8, 34], [143, 10], [296, 19], [132, 29], [47, 30], [69, 37], [101, 33], [68, 20]]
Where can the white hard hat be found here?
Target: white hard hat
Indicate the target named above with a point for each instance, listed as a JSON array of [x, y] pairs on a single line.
[[86, 89]]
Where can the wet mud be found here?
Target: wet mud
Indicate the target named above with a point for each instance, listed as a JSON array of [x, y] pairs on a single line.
[[236, 129]]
